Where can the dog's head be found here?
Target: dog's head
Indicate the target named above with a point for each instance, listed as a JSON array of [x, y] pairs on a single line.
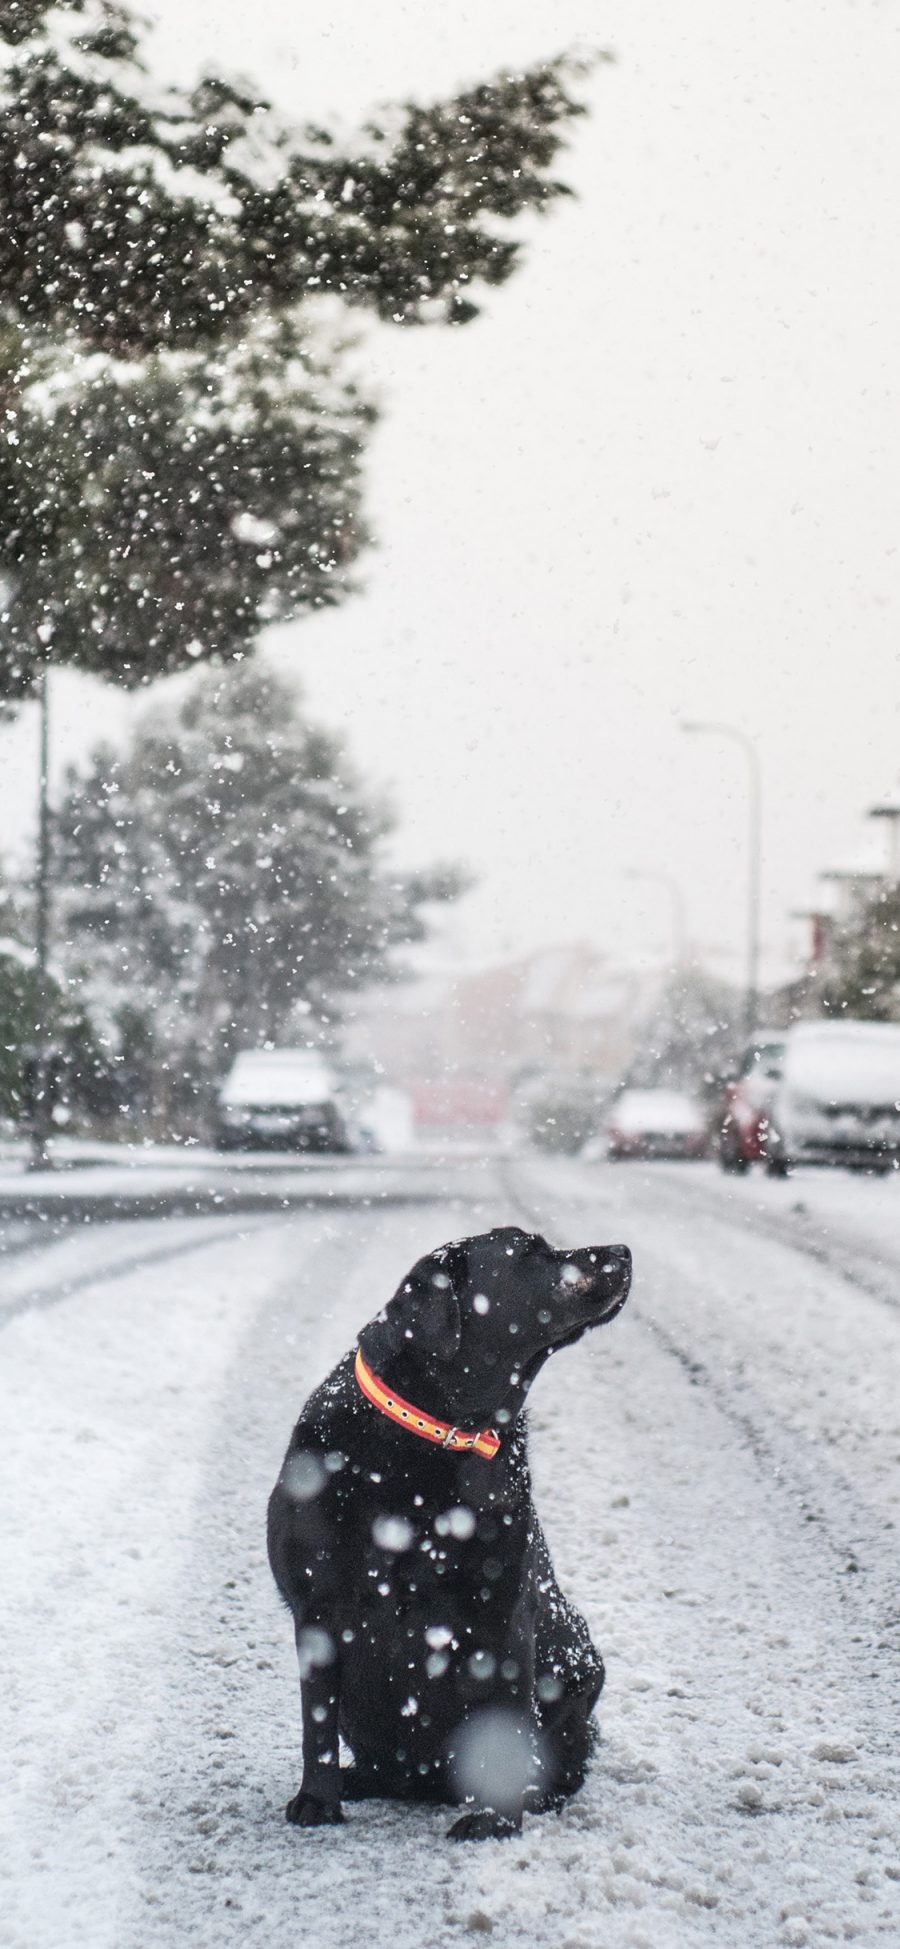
[[473, 1322]]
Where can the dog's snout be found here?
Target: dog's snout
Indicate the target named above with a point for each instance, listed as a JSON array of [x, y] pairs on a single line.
[[616, 1258], [601, 1270], [616, 1265], [611, 1267], [609, 1261]]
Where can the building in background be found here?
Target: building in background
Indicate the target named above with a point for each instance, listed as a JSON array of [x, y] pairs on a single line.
[[471, 1048]]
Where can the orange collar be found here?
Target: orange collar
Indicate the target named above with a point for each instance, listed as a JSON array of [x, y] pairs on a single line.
[[485, 1442]]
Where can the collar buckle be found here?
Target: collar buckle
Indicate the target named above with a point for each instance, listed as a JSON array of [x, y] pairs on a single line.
[[485, 1441]]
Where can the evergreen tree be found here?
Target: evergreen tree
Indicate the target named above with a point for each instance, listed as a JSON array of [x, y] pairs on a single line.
[[162, 514], [176, 466], [225, 881], [18, 1008], [862, 975], [73, 1063]]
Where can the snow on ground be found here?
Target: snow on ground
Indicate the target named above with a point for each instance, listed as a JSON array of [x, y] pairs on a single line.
[[710, 1469]]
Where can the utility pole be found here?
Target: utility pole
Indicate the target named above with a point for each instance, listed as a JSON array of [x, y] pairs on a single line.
[[754, 860], [41, 1105]]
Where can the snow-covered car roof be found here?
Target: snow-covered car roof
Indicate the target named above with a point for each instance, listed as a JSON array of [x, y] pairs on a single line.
[[284, 1076], [845, 1061], [650, 1110]]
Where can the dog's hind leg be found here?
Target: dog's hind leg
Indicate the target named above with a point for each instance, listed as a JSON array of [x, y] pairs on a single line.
[[569, 1679]]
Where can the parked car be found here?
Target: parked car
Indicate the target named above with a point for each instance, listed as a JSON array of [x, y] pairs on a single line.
[[744, 1120], [838, 1098], [280, 1098], [655, 1123]]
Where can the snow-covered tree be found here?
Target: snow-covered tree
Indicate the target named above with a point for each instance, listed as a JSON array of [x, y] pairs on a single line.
[[18, 1008], [861, 977], [692, 1036], [178, 464], [69, 1050], [225, 880], [162, 513]]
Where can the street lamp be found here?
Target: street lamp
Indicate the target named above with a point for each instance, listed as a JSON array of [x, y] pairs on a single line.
[[754, 857], [674, 892]]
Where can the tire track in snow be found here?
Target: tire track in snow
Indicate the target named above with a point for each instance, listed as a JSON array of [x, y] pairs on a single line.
[[30, 1238], [860, 1539], [108, 1409], [67, 1288], [856, 1261], [21, 1237]]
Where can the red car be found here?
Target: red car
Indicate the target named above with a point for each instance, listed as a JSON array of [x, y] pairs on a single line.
[[744, 1122]]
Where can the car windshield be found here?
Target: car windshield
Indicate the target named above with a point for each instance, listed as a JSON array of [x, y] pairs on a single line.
[[767, 1057]]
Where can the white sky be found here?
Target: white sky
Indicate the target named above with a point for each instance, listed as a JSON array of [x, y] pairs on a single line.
[[658, 478]]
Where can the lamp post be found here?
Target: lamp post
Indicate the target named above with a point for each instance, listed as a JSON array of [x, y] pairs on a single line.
[[754, 857], [677, 903]]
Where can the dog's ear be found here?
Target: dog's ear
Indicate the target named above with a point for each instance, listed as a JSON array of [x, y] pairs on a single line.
[[424, 1314]]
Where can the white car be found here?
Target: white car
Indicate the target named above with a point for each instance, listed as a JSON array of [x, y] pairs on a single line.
[[838, 1099], [286, 1099], [655, 1123]]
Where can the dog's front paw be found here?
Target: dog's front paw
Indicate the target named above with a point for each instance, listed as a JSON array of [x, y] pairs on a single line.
[[544, 1800], [483, 1824], [306, 1811]]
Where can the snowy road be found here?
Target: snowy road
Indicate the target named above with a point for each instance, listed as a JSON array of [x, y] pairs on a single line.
[[718, 1475]]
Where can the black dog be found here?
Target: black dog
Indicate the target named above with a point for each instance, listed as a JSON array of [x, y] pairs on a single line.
[[430, 1629]]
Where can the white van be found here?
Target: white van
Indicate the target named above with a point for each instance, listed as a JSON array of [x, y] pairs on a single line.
[[838, 1100], [283, 1098]]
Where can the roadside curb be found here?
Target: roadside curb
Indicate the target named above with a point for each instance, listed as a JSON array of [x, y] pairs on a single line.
[[82, 1207]]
